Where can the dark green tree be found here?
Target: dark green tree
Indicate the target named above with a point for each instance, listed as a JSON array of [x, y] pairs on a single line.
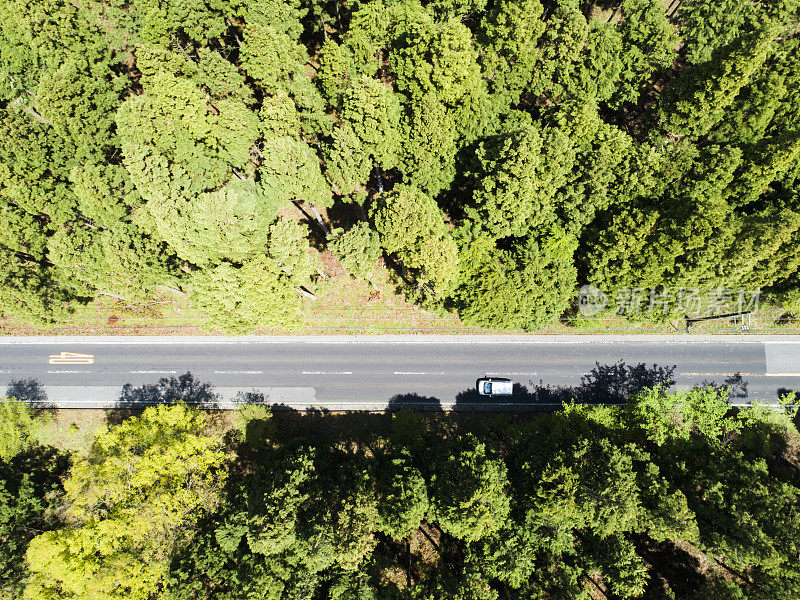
[[468, 491], [698, 99]]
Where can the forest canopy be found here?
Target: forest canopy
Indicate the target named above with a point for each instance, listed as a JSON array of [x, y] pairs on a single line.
[[499, 154], [653, 495]]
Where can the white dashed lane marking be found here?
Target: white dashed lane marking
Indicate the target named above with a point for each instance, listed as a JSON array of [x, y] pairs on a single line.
[[418, 373], [327, 372]]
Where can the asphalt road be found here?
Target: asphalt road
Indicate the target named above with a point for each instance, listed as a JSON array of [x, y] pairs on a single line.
[[372, 372]]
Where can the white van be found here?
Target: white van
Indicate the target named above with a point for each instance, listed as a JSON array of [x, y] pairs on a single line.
[[494, 386]]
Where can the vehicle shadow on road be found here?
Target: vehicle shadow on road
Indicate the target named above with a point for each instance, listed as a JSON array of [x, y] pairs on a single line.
[[605, 384]]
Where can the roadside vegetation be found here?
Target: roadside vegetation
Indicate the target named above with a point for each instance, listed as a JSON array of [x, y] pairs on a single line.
[[658, 495], [496, 156]]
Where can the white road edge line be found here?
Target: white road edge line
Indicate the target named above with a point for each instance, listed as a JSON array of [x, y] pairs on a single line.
[[69, 371], [238, 372], [155, 372], [782, 374]]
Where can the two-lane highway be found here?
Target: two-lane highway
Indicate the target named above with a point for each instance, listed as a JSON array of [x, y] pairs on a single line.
[[366, 372]]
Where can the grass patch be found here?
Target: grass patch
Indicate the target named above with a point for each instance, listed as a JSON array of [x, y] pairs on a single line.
[[70, 430]]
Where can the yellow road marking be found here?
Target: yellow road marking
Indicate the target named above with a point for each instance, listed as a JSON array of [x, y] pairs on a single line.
[[71, 358]]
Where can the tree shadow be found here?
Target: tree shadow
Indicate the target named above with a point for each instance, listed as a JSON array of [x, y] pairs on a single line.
[[169, 390], [291, 426], [45, 465], [735, 384], [26, 390], [785, 391], [346, 214], [251, 397], [616, 383], [415, 402], [678, 568], [30, 391], [605, 384]]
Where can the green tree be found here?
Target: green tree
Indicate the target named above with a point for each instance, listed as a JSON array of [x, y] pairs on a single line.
[[288, 248], [608, 157], [29, 292], [358, 249], [767, 160], [468, 490], [290, 171], [664, 417], [105, 193], [698, 99], [707, 26], [347, 164], [429, 57], [132, 501], [34, 169], [30, 489], [520, 173], [591, 485], [373, 112], [240, 299], [274, 499], [412, 226], [511, 30], [753, 111], [176, 149], [430, 141], [232, 223], [16, 424], [561, 45], [119, 261], [271, 53], [356, 518], [599, 66], [64, 78], [200, 22], [526, 287], [650, 45], [402, 497], [680, 245]]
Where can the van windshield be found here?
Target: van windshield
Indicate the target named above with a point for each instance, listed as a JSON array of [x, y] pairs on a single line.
[[487, 388]]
